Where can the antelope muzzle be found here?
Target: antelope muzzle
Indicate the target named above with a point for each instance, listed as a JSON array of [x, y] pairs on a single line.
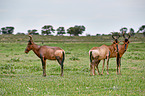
[[26, 51]]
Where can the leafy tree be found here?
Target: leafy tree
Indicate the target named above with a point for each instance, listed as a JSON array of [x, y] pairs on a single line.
[[3, 30], [98, 34], [19, 33], [33, 32], [88, 35], [7, 30], [70, 31], [124, 29], [132, 32], [47, 29], [142, 29], [10, 30], [76, 30], [60, 31], [144, 34]]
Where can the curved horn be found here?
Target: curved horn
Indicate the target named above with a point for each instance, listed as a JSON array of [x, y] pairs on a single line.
[[123, 34], [129, 35], [118, 35], [113, 37], [30, 33], [30, 37]]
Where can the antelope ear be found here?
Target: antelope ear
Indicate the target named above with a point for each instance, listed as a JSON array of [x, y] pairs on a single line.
[[123, 34]]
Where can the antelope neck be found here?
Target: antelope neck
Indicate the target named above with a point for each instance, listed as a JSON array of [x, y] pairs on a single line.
[[125, 46], [35, 49], [117, 47]]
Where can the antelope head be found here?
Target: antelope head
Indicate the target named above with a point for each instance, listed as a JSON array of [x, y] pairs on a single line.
[[126, 40], [29, 45]]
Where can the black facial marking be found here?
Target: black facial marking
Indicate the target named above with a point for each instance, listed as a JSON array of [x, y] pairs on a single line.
[[116, 40], [126, 40]]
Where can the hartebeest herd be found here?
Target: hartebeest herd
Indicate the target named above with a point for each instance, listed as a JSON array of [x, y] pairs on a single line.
[[96, 54]]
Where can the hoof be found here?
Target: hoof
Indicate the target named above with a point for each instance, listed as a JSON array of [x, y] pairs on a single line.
[[44, 75], [61, 75]]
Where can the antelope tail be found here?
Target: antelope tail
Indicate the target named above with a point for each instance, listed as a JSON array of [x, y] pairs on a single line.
[[90, 56], [63, 57]]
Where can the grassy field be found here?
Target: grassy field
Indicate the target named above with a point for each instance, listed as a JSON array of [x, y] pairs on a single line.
[[21, 74]]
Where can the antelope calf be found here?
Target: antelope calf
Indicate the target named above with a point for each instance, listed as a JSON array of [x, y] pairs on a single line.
[[46, 52], [101, 53]]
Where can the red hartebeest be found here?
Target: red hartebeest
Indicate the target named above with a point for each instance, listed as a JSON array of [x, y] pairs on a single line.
[[121, 50], [46, 52], [101, 53]]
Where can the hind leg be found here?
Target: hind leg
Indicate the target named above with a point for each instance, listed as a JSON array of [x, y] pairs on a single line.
[[97, 63], [120, 66], [92, 67], [60, 61], [103, 67]]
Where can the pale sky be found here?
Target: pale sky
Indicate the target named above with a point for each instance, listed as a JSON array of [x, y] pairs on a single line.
[[98, 16]]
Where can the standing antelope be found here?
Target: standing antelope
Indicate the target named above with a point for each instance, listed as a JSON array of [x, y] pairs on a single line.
[[46, 52], [121, 50], [101, 53]]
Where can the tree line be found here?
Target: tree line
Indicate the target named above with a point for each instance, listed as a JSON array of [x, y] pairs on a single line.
[[48, 30], [131, 31], [72, 31]]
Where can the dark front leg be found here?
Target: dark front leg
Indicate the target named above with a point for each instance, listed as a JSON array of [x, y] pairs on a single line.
[[117, 70], [43, 60], [120, 66], [117, 61], [107, 65]]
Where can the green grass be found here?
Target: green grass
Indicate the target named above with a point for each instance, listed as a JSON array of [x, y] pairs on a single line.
[[21, 74]]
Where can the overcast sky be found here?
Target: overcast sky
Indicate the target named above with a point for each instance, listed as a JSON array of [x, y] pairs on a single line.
[[98, 16]]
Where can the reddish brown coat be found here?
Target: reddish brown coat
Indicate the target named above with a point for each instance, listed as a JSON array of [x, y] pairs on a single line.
[[101, 53], [46, 52]]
